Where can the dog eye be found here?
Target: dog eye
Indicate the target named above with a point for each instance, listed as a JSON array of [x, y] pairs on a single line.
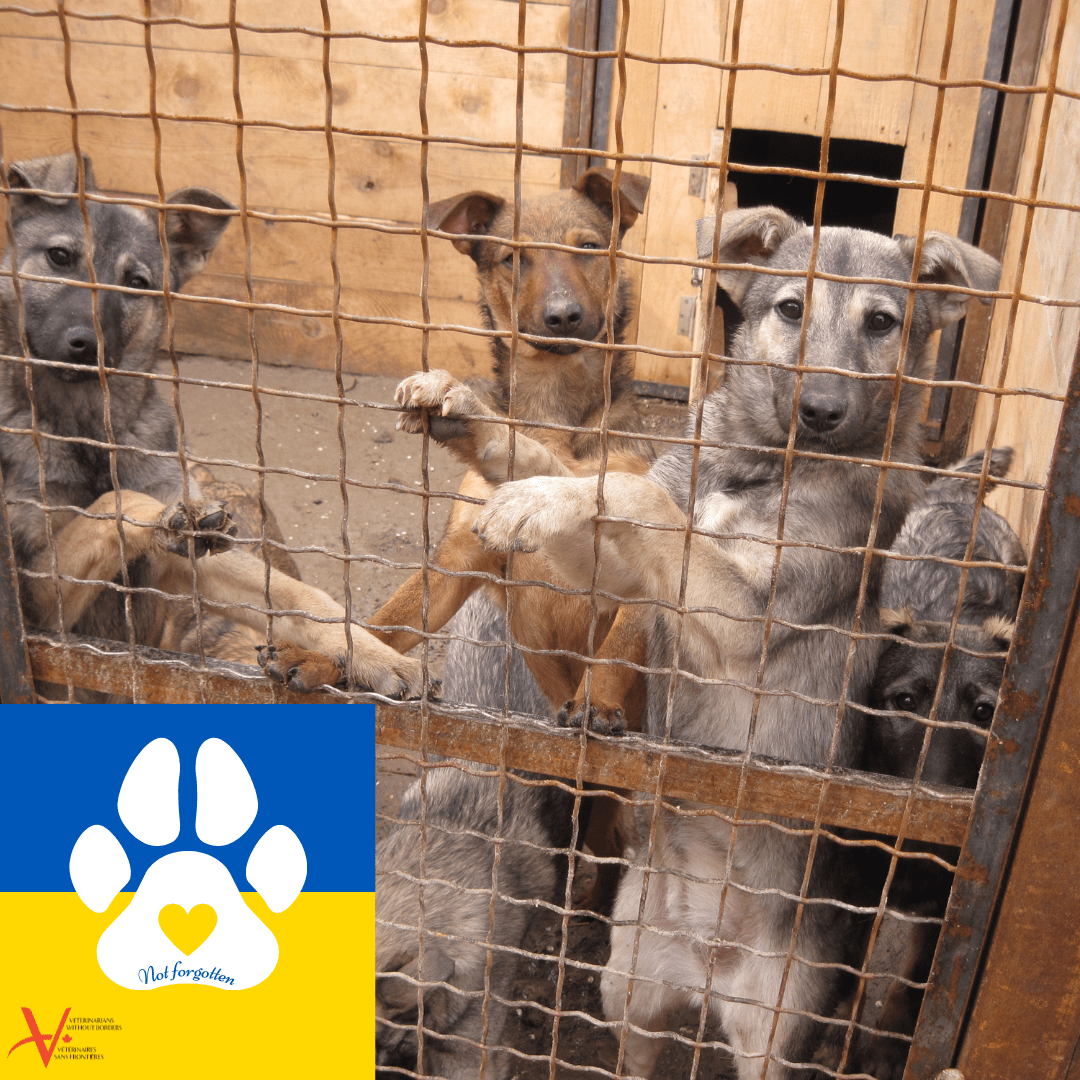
[[509, 261], [790, 309], [137, 281], [588, 245], [903, 702], [59, 256], [984, 712], [880, 322]]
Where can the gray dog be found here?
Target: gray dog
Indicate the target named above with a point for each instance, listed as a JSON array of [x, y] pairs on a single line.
[[461, 822], [920, 597], [717, 904], [61, 496]]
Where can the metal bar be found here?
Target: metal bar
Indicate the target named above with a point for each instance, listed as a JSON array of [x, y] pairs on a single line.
[[580, 77], [852, 800], [1031, 677], [1034, 953], [602, 80]]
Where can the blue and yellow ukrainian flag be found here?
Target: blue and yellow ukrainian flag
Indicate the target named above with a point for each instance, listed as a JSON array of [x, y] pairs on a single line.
[[313, 771]]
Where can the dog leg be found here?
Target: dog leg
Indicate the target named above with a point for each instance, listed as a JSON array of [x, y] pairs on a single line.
[[234, 583], [88, 547], [617, 693], [664, 957], [748, 1026], [732, 576], [454, 419]]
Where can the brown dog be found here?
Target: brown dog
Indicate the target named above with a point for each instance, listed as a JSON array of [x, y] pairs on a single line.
[[556, 377]]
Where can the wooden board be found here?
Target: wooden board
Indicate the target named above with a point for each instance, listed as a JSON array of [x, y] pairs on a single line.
[[470, 93], [462, 20], [1044, 339], [1034, 956], [283, 89], [967, 60], [881, 37], [685, 95], [773, 101], [293, 338], [633, 133]]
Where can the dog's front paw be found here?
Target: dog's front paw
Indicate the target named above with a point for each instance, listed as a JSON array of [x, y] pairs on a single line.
[[205, 525], [525, 514], [436, 390], [600, 717], [299, 669], [378, 668]]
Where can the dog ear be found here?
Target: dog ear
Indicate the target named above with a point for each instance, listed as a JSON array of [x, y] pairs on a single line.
[[192, 234], [596, 185], [948, 261], [472, 212], [900, 623], [1001, 630], [746, 236], [59, 173]]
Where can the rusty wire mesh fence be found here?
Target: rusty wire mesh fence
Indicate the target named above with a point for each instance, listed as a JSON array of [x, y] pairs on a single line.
[[755, 895]]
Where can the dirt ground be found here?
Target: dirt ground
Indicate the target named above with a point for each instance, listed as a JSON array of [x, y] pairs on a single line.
[[385, 529]]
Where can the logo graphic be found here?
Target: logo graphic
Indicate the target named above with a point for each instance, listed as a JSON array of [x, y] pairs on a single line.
[[45, 1048], [187, 921]]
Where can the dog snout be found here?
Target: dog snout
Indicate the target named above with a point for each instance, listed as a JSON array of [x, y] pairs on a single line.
[[80, 345], [821, 409], [563, 316]]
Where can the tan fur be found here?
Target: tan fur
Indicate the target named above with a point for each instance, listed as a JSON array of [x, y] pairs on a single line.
[[226, 581], [565, 389]]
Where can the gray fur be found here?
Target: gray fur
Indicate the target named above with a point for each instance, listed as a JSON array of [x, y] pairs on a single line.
[[940, 525], [69, 400], [460, 804], [920, 597], [460, 824], [66, 361]]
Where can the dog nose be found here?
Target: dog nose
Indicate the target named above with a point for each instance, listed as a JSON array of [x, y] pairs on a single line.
[[563, 317], [81, 342], [820, 413]]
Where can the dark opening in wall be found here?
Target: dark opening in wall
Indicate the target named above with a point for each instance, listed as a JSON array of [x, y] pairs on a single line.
[[862, 206]]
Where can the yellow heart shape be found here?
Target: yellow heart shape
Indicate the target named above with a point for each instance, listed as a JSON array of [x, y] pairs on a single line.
[[187, 930]]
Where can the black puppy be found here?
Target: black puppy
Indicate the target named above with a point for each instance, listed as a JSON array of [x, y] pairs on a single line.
[[919, 597]]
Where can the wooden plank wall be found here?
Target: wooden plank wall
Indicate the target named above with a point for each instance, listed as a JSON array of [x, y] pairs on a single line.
[[471, 93], [669, 106], [1044, 339]]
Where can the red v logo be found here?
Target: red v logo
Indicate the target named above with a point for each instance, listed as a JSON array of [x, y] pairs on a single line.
[[36, 1037]]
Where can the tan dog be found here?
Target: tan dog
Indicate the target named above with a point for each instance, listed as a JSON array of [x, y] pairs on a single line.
[[557, 378]]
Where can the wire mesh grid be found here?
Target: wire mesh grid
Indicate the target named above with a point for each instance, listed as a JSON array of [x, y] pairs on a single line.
[[755, 893]]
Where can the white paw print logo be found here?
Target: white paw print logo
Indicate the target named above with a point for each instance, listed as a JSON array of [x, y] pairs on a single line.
[[187, 922]]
